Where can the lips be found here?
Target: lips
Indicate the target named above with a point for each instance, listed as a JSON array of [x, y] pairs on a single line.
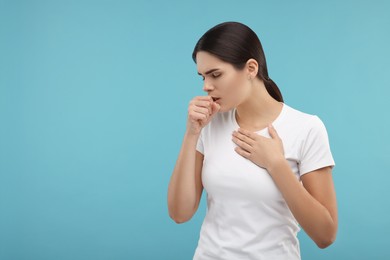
[[215, 98]]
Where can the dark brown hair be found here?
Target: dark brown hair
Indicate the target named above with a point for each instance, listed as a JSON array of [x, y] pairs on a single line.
[[236, 43]]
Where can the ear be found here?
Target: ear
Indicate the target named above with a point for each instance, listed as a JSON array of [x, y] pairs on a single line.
[[252, 68]]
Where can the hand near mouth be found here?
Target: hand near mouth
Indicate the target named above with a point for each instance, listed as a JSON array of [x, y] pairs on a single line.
[[200, 112]]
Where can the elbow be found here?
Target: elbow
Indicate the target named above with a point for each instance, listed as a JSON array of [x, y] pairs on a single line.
[[327, 236], [324, 244], [179, 216], [179, 219], [326, 241]]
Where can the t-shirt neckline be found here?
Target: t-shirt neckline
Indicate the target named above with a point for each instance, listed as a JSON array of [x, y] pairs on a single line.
[[276, 121]]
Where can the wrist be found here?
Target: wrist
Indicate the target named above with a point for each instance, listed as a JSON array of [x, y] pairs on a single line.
[[191, 135], [276, 164]]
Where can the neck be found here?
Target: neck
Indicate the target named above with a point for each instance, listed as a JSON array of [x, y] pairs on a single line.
[[259, 110]]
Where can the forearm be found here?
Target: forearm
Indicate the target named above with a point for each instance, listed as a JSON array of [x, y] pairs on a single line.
[[313, 217], [182, 186]]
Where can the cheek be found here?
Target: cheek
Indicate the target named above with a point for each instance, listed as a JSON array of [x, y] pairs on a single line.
[[234, 88], [232, 91]]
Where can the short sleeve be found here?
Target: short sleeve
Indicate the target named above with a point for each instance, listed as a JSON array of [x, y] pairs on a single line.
[[315, 151], [199, 144]]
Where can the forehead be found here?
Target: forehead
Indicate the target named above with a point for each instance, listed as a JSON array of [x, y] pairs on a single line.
[[206, 61]]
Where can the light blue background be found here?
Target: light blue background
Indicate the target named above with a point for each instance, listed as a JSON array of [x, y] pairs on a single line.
[[93, 103]]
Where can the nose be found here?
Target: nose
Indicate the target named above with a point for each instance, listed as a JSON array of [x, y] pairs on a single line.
[[207, 87]]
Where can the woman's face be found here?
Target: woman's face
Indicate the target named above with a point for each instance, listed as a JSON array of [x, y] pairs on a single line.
[[222, 81]]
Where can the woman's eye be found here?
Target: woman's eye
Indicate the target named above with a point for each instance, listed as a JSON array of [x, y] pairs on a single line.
[[213, 75]]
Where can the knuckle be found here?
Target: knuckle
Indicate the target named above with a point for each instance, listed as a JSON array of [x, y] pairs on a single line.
[[191, 115]]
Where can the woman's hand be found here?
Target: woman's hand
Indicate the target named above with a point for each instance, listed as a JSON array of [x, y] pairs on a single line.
[[262, 151], [200, 111]]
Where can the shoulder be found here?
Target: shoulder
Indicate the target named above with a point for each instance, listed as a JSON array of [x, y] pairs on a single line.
[[297, 126], [309, 140], [301, 120]]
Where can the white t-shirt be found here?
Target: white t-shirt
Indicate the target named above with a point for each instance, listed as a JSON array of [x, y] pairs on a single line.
[[247, 217]]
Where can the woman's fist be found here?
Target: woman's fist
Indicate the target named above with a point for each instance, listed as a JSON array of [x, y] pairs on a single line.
[[200, 111]]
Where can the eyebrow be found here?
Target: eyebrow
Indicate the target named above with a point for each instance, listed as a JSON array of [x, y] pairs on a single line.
[[208, 72]]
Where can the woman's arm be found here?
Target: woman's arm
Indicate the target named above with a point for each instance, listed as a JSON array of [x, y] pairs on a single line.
[[185, 187], [313, 204]]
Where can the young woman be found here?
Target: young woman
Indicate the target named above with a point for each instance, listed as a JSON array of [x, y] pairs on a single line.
[[266, 167]]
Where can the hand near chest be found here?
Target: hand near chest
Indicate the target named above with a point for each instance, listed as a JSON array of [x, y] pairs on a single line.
[[262, 151]]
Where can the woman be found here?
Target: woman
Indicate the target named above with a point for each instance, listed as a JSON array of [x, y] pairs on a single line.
[[266, 167]]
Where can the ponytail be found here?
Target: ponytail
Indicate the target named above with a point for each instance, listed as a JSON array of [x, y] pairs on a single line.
[[273, 89]]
